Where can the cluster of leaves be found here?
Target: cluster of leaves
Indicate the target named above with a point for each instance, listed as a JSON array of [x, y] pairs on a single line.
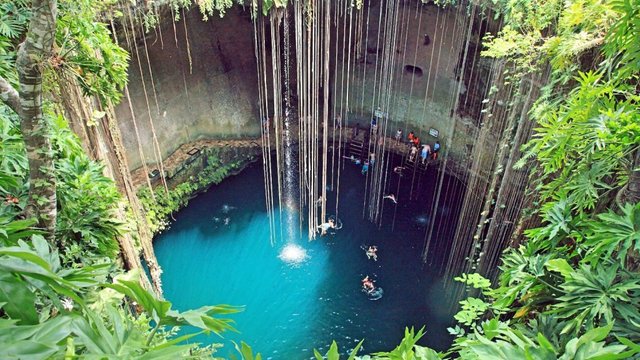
[[52, 311], [159, 210], [540, 31], [87, 200], [207, 7], [14, 16], [83, 50]]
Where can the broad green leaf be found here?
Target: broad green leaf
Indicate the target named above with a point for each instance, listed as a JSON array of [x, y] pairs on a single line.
[[561, 266], [20, 301], [354, 352], [424, 353], [333, 354]]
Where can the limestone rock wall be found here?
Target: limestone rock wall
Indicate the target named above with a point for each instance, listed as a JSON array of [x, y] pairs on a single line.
[[213, 97], [428, 49]]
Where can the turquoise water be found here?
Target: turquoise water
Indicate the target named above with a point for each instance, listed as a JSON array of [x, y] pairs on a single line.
[[218, 251]]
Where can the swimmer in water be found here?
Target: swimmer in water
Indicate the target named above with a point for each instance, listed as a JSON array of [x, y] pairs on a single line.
[[326, 226], [372, 253], [227, 208], [367, 284], [391, 197], [227, 220]]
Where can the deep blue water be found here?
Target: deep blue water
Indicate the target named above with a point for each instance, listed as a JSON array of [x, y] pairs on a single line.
[[289, 310]]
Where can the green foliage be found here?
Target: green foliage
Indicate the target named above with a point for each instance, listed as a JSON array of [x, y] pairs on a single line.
[[334, 354], [621, 48], [570, 291], [158, 211], [246, 353], [614, 234], [573, 286], [13, 164], [472, 309], [53, 311], [14, 16], [87, 200], [476, 281], [207, 7], [596, 297], [499, 341], [86, 49]]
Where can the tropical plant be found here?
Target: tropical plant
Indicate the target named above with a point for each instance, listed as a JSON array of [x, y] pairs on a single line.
[[614, 235], [86, 50], [496, 340], [51, 311], [594, 297], [87, 200], [408, 350]]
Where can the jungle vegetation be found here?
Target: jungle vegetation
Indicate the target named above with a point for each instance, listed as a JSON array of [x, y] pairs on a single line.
[[568, 290]]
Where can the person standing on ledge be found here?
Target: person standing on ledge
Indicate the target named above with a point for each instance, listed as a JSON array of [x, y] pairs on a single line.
[[426, 151], [365, 167], [398, 136], [413, 153], [436, 148]]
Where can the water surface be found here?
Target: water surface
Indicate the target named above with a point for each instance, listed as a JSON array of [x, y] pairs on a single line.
[[218, 251]]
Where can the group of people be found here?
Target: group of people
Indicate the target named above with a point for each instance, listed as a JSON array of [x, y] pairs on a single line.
[[416, 148], [427, 151]]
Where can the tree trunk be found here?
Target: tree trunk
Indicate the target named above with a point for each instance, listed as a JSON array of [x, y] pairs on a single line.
[[116, 157], [31, 58], [102, 142]]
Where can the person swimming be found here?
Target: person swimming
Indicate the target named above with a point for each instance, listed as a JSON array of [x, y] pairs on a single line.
[[367, 284], [326, 226], [227, 208], [372, 253]]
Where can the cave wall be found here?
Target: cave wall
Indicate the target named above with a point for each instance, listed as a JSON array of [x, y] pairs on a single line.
[[421, 69], [216, 98]]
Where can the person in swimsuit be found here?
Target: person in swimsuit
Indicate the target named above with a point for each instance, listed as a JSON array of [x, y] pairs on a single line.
[[372, 253], [326, 226]]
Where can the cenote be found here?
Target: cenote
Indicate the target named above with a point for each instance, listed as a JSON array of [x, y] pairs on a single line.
[[218, 252]]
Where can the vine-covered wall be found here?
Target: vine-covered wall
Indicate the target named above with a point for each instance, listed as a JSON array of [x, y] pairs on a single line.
[[427, 48]]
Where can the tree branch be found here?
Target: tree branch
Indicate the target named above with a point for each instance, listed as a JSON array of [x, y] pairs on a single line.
[[9, 95]]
